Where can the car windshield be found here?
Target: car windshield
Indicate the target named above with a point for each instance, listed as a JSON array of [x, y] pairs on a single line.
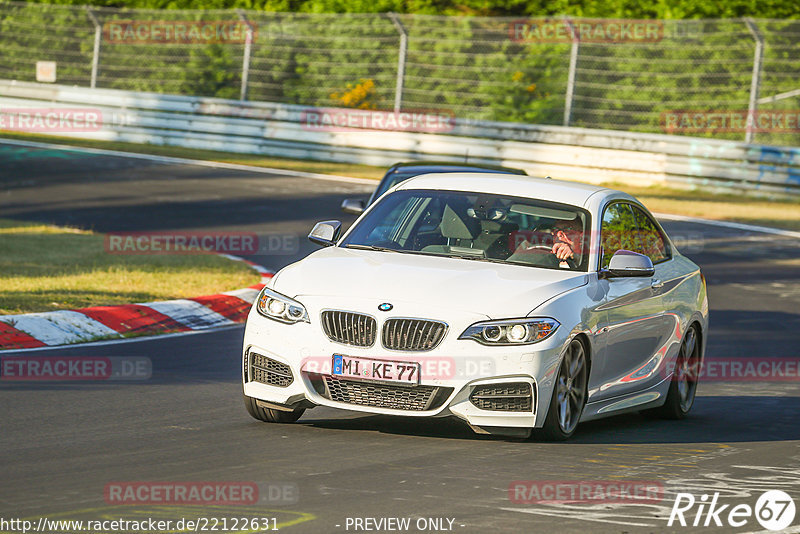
[[476, 226]]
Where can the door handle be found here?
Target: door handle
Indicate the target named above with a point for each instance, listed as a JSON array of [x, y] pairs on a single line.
[[657, 284]]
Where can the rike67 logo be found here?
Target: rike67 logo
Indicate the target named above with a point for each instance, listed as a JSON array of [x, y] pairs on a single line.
[[774, 510]]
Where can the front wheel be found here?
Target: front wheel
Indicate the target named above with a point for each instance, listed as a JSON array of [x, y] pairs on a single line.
[[569, 396], [683, 387], [268, 414]]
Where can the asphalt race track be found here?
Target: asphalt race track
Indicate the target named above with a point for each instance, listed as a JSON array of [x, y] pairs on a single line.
[[62, 443]]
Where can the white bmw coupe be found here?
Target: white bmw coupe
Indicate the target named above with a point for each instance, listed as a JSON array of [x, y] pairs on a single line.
[[515, 304]]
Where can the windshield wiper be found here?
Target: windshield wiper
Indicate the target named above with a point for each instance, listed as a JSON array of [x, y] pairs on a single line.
[[370, 247], [474, 257]]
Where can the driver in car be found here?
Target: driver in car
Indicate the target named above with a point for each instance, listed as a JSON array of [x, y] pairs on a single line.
[[567, 236], [564, 252]]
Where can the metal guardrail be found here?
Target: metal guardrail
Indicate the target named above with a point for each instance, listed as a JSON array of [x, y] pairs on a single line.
[[279, 130]]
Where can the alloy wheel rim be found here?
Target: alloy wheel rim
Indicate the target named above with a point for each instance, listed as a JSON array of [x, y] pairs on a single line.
[[686, 371], [571, 387]]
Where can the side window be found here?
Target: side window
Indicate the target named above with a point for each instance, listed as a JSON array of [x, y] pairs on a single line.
[[618, 231], [652, 242]]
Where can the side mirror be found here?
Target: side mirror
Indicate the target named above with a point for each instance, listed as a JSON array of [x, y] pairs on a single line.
[[625, 263], [356, 206], [325, 233]]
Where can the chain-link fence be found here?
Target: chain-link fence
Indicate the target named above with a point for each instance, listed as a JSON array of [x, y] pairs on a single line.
[[695, 77]]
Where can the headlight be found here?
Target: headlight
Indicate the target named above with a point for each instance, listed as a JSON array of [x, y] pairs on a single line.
[[511, 331], [280, 307]]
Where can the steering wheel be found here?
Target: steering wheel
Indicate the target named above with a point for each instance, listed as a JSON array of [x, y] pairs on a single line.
[[570, 261]]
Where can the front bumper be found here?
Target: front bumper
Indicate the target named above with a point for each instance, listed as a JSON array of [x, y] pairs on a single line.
[[483, 385]]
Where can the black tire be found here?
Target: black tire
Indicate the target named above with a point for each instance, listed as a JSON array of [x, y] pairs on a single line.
[[683, 385], [569, 395], [269, 415]]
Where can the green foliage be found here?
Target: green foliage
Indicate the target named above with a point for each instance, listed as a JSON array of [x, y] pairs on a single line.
[[660, 9], [470, 66]]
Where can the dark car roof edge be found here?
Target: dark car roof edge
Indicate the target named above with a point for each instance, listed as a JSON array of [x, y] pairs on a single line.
[[406, 164]]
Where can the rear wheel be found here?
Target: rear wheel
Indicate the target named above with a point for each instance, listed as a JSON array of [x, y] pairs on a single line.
[[569, 396], [683, 387], [270, 415]]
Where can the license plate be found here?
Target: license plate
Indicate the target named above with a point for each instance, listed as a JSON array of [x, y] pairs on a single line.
[[370, 369]]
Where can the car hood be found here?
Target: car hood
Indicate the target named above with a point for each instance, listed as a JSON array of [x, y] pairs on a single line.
[[490, 289]]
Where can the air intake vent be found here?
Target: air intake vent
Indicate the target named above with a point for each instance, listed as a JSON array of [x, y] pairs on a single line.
[[511, 397], [364, 393], [269, 371], [350, 328], [413, 335]]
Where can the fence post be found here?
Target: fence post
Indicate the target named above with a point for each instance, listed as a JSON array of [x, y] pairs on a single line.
[[246, 59], [755, 81], [98, 33], [573, 63], [401, 62]]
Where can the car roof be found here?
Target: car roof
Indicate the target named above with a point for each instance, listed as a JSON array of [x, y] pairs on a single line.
[[563, 191], [450, 166]]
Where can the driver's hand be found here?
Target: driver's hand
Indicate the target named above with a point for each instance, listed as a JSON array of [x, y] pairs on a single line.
[[562, 251]]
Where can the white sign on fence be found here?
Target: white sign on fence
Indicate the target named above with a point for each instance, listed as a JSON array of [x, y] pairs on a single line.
[[46, 71]]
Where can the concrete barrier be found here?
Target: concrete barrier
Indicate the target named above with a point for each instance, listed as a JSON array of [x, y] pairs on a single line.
[[279, 130]]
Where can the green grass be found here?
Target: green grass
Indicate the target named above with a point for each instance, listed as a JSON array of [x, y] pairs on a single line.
[[750, 208], [46, 268]]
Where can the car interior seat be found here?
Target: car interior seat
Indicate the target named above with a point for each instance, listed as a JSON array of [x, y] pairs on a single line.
[[459, 233]]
